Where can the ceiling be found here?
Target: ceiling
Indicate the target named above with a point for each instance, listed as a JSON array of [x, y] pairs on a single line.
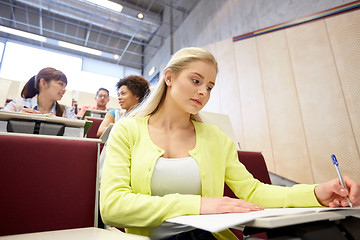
[[86, 24]]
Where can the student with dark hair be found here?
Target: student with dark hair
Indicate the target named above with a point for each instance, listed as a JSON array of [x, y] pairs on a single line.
[[102, 98], [41, 93], [131, 92]]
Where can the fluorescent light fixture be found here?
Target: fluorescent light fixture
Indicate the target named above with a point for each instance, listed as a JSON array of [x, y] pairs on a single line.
[[79, 48], [151, 71], [23, 34], [140, 16], [108, 4]]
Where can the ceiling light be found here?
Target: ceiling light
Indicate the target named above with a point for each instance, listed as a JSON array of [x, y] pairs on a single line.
[[151, 71], [140, 16], [23, 34], [79, 48], [116, 57], [108, 4]]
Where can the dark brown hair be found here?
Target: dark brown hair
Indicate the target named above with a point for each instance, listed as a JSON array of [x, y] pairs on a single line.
[[31, 88], [138, 85]]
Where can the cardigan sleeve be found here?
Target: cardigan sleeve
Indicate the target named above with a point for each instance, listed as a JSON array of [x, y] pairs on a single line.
[[246, 187], [120, 205]]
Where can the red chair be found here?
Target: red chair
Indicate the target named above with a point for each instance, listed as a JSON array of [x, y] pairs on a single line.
[[47, 183], [256, 165], [94, 126]]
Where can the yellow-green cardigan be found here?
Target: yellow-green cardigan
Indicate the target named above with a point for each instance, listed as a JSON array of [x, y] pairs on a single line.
[[125, 194]]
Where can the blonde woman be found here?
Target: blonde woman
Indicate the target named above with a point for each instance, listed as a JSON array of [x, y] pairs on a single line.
[[164, 162]]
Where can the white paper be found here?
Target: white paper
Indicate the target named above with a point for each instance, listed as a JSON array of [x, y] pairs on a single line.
[[220, 222]]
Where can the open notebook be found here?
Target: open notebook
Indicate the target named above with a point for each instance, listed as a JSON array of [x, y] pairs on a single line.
[[268, 218]]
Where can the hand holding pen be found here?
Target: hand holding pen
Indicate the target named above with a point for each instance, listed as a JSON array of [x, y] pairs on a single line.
[[334, 194], [336, 165]]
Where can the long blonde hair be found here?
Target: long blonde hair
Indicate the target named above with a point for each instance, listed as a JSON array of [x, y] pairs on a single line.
[[178, 62]]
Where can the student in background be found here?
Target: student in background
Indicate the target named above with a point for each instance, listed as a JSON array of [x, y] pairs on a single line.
[[41, 93], [102, 98], [131, 92], [163, 162]]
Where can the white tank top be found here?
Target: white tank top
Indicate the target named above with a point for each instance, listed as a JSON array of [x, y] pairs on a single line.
[[176, 175]]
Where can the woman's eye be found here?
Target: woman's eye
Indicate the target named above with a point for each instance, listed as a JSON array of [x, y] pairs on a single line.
[[195, 80], [209, 88]]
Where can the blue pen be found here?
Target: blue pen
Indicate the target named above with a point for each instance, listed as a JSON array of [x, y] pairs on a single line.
[[336, 165]]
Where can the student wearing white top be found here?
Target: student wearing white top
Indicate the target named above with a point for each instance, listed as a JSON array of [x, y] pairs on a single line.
[[144, 177], [41, 93]]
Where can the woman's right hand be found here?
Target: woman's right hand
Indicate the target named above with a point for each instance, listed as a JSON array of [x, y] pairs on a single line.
[[226, 205], [29, 110]]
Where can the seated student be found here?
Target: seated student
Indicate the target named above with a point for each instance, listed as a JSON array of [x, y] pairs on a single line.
[[165, 162], [41, 93], [101, 98], [131, 92]]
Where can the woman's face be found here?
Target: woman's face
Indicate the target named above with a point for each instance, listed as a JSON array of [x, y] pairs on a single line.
[[127, 99], [190, 89], [55, 89]]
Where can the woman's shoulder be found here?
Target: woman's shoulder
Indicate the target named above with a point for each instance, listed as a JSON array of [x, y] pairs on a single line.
[[210, 130], [206, 126], [132, 121]]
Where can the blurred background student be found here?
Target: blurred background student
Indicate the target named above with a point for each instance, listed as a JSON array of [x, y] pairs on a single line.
[[41, 93], [101, 98], [131, 92]]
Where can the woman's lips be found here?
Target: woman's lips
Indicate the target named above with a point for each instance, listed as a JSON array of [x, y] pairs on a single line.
[[197, 101]]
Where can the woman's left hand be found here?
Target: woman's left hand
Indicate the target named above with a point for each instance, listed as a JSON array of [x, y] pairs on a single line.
[[332, 194]]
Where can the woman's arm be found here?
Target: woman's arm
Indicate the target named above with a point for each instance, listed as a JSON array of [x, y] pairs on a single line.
[[109, 118]]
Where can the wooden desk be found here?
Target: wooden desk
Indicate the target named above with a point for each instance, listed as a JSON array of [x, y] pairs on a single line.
[[76, 234]]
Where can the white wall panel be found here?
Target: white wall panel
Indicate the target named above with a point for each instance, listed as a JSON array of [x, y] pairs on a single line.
[[344, 34], [256, 126], [326, 121], [283, 111], [228, 85]]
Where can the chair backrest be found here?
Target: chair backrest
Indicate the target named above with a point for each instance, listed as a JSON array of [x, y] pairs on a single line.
[[47, 183], [255, 164], [94, 127]]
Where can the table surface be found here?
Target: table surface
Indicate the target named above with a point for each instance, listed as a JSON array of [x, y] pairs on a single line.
[[76, 234]]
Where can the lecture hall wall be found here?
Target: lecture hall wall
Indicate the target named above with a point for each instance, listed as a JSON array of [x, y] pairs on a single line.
[[294, 95]]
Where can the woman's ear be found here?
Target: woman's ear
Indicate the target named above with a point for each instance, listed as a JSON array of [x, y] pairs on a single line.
[[43, 83], [168, 77]]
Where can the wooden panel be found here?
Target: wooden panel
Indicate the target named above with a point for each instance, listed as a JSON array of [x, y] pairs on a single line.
[[327, 125], [344, 34], [85, 98], [67, 99], [15, 89], [256, 127], [286, 127], [228, 86], [4, 86]]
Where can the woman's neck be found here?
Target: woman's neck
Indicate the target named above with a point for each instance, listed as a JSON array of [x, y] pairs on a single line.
[[167, 118], [44, 104]]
